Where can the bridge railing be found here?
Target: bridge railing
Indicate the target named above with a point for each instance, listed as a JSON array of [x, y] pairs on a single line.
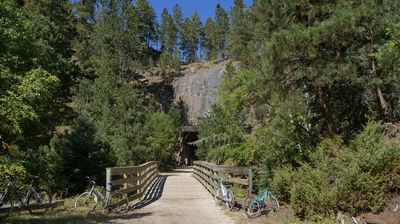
[[132, 180], [208, 174]]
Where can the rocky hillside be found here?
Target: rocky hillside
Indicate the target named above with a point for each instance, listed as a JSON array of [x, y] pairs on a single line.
[[197, 90]]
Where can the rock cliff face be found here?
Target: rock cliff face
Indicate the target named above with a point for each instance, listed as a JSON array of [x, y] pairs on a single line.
[[197, 91]]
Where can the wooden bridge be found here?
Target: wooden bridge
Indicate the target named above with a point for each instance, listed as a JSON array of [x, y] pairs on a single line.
[[181, 196]]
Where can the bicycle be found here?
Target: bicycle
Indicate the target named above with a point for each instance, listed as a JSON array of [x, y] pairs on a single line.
[[223, 194], [254, 205], [37, 202], [87, 201]]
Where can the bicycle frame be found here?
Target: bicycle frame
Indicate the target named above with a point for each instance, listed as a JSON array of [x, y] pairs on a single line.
[[224, 189], [10, 189], [100, 196]]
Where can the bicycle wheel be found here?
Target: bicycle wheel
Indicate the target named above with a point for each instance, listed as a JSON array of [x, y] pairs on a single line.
[[6, 205], [273, 203], [230, 200], [38, 202], [252, 207], [119, 202], [218, 197], [86, 203]]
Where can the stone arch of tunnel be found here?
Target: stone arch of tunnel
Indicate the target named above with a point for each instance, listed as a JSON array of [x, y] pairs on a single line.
[[188, 135]]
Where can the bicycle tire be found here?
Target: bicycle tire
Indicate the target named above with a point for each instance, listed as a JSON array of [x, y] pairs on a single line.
[[252, 207], [230, 203], [119, 202], [40, 198], [274, 203], [6, 204], [85, 203], [218, 197]]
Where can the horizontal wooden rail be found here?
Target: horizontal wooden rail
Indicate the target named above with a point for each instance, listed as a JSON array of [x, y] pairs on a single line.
[[209, 174], [132, 180]]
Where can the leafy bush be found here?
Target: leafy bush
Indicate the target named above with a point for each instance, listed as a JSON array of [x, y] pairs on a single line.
[[353, 178], [281, 184], [312, 194]]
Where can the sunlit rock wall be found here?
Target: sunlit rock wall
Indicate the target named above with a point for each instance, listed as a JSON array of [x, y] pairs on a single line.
[[197, 91]]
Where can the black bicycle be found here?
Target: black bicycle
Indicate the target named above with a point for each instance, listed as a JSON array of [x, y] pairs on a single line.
[[36, 201]]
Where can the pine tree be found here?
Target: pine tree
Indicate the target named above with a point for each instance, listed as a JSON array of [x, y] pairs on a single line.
[[189, 40], [209, 41], [168, 32], [177, 16], [199, 32], [222, 27], [239, 33], [147, 21]]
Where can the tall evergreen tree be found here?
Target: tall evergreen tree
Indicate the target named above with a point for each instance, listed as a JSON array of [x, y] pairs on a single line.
[[168, 32], [222, 27], [199, 31], [147, 21], [189, 40], [239, 33], [177, 16], [209, 41]]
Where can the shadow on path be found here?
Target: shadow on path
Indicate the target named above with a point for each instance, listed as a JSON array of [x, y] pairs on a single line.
[[154, 192]]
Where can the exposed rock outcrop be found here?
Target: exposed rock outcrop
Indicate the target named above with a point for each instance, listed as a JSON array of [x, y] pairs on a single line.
[[197, 91]]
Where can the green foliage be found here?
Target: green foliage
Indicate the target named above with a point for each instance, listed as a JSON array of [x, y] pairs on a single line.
[[118, 115], [209, 42], [352, 178], [168, 33], [222, 26], [15, 171], [189, 40], [284, 177], [239, 33], [84, 146], [169, 61], [162, 137]]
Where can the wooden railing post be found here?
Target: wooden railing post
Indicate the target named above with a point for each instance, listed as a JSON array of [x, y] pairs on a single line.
[[125, 184], [108, 181], [135, 179], [250, 181]]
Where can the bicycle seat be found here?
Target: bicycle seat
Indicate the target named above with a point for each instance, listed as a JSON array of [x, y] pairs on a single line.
[[254, 191]]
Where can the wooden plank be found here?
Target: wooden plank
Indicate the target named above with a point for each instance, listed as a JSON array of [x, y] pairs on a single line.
[[141, 185], [131, 169], [136, 179], [127, 180], [223, 169], [135, 196], [131, 189]]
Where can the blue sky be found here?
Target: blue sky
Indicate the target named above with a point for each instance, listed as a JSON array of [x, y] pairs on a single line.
[[205, 8]]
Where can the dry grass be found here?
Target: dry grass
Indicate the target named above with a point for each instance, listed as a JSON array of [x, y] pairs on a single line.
[[65, 215]]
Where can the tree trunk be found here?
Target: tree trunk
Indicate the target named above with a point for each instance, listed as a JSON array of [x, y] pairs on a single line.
[[328, 116], [381, 98]]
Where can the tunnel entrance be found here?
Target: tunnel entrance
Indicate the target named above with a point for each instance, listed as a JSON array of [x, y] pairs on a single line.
[[187, 153]]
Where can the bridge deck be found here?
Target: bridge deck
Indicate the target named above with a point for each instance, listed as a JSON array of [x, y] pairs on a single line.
[[177, 197]]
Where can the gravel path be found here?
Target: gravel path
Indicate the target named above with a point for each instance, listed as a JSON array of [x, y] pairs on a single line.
[[178, 198]]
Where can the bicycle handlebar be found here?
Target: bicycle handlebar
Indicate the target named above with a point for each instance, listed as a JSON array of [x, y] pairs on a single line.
[[90, 180]]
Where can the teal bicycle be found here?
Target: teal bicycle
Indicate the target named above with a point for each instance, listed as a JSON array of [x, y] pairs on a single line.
[[255, 205]]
